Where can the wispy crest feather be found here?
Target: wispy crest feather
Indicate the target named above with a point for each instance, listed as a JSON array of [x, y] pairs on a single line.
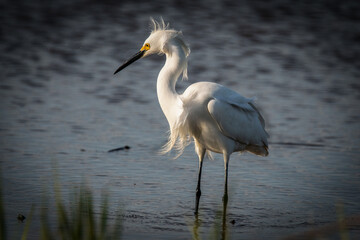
[[173, 34], [158, 26]]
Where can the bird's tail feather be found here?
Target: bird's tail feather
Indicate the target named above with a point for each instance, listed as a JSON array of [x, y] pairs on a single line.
[[258, 150]]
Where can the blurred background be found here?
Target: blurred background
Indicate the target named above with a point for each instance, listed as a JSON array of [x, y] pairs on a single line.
[[62, 110]]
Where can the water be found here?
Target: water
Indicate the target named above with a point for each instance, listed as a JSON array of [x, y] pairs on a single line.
[[62, 110]]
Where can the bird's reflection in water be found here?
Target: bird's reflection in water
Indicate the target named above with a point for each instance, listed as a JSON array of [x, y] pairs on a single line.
[[219, 229], [195, 229]]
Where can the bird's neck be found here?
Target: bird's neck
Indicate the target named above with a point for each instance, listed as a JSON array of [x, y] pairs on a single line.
[[168, 97]]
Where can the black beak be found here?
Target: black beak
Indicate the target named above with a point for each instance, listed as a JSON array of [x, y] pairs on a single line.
[[130, 61]]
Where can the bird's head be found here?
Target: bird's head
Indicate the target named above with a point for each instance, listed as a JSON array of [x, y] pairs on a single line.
[[157, 43]]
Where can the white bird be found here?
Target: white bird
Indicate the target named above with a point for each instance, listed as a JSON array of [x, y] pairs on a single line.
[[217, 118]]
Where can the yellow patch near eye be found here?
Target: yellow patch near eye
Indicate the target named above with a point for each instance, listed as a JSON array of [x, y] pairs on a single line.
[[145, 47]]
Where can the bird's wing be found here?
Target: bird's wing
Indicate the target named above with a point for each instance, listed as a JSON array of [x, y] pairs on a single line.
[[238, 119]]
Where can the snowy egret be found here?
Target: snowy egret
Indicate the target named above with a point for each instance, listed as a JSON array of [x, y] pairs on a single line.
[[217, 118]]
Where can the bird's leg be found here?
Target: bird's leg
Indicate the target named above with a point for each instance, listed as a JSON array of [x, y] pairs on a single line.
[[201, 153], [198, 190], [226, 164], [225, 197]]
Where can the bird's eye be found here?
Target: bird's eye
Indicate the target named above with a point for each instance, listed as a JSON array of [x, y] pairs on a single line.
[[145, 47]]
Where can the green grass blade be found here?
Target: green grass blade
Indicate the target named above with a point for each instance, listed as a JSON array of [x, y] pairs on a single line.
[[27, 225]]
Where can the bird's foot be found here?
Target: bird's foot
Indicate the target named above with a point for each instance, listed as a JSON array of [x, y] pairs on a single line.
[[198, 193], [225, 198]]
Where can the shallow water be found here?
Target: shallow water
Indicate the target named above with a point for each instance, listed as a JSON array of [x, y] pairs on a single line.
[[62, 110]]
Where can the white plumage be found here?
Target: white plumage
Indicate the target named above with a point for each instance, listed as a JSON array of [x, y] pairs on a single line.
[[217, 118]]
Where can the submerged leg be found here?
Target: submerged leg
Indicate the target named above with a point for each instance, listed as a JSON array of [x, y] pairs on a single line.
[[201, 152], [224, 228]]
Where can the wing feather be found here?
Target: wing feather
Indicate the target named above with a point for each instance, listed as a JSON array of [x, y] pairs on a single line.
[[240, 121]]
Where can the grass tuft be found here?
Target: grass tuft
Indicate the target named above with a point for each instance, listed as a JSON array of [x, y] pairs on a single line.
[[79, 219], [76, 219]]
